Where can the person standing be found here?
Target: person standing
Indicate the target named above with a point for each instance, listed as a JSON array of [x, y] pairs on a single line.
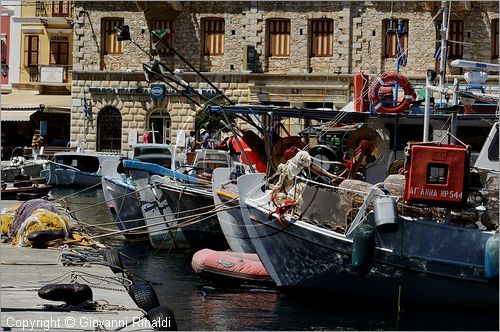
[[36, 144], [205, 138], [191, 142], [146, 137]]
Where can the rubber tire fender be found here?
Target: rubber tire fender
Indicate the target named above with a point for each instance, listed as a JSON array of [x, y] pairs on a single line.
[[144, 296], [162, 314]]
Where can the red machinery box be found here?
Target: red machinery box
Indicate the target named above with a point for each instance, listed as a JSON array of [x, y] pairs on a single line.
[[437, 174]]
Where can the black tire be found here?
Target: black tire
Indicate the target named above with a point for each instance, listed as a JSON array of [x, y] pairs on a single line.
[[144, 296], [28, 196], [162, 319], [326, 154], [112, 257]]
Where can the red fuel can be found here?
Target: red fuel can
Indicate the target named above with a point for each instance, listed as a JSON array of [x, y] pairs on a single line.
[[437, 174]]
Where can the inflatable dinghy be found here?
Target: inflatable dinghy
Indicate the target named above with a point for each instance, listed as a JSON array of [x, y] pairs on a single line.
[[230, 267]]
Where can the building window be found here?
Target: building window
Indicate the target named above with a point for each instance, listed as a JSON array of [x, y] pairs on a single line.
[[322, 37], [494, 42], [213, 36], [30, 50], [165, 24], [390, 38], [61, 8], [59, 53], [455, 37], [279, 37], [110, 44]]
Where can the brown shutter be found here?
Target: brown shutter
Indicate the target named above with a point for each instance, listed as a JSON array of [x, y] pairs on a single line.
[[391, 44], [111, 44], [494, 42], [26, 51], [213, 35], [279, 37], [322, 37]]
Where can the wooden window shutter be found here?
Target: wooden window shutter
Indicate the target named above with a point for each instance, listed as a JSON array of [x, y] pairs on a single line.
[[26, 51], [494, 42], [111, 44], [279, 37], [165, 24], [390, 38], [213, 36], [322, 37]]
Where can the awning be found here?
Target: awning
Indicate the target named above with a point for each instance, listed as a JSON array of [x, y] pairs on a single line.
[[25, 102], [17, 115]]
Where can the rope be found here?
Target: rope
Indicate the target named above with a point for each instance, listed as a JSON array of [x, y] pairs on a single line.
[[186, 223], [109, 200]]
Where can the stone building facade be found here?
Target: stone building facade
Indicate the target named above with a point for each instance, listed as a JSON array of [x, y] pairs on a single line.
[[115, 82]]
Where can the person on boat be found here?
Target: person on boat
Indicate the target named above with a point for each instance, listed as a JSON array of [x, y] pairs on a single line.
[[36, 143], [205, 138], [191, 141], [146, 137]]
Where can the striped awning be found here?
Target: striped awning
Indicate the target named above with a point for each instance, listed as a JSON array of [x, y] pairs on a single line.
[[17, 115]]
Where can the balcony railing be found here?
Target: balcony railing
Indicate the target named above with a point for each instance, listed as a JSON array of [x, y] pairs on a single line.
[[54, 9], [49, 73]]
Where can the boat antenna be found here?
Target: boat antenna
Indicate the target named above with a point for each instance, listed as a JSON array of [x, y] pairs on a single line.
[[444, 42]]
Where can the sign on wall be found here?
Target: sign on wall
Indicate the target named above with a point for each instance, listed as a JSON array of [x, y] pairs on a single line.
[[132, 136], [157, 91], [51, 74]]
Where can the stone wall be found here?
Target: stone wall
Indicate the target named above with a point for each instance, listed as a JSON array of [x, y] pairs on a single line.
[[357, 44], [296, 80]]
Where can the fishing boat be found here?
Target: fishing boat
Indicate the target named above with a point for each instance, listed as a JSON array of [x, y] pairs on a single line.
[[178, 205], [225, 191], [119, 191], [414, 236], [76, 168], [24, 190], [18, 166]]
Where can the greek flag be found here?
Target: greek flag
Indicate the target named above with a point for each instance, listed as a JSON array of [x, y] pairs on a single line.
[[86, 109], [437, 53], [402, 59]]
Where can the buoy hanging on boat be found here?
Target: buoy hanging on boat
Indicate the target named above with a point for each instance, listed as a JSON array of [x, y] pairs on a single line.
[[363, 248], [386, 79], [491, 258]]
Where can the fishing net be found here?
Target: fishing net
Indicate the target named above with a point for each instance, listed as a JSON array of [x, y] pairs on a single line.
[[41, 220]]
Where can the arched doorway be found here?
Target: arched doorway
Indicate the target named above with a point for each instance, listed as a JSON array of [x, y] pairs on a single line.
[[109, 129], [159, 122]]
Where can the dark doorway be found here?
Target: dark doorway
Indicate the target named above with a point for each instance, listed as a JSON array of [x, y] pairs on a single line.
[[109, 130]]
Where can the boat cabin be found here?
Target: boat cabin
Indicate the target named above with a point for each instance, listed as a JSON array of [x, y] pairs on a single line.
[[160, 154]]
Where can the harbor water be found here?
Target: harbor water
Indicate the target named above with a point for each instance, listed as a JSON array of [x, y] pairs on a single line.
[[200, 305]]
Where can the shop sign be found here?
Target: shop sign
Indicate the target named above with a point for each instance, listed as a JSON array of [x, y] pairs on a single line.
[[120, 91], [157, 91]]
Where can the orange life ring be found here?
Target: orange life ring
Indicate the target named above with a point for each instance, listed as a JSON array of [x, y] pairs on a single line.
[[403, 82]]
